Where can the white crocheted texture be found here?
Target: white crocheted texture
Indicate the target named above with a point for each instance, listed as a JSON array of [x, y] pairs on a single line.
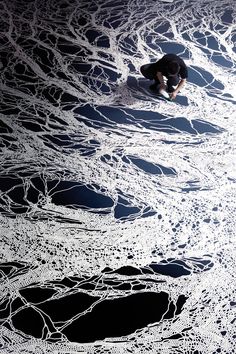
[[109, 193]]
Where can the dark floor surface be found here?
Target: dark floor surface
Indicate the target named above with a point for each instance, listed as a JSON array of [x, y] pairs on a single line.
[[117, 207]]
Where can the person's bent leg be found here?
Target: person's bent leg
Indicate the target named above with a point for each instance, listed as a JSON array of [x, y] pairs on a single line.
[[146, 71], [154, 86], [172, 81]]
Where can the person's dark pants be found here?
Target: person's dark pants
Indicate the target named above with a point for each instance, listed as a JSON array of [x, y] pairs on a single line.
[[172, 81], [147, 72]]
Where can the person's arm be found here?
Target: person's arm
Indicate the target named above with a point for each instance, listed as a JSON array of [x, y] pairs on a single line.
[[161, 79], [178, 88]]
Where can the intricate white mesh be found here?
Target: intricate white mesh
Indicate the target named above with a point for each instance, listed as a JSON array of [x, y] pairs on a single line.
[[109, 187]]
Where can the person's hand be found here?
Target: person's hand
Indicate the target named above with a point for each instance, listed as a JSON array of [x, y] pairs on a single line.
[[173, 95]]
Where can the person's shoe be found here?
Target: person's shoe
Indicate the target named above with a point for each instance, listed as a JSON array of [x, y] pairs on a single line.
[[164, 94]]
